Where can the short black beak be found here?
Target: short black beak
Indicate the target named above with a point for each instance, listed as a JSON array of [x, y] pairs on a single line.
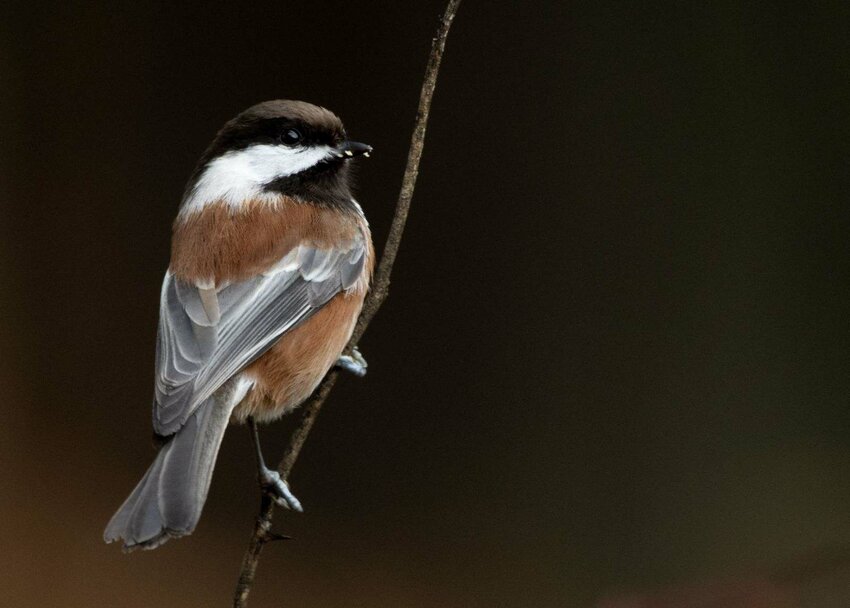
[[350, 149]]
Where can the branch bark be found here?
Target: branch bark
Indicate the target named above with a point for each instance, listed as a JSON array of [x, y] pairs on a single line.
[[262, 533]]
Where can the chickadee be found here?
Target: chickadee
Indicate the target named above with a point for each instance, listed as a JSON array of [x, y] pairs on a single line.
[[271, 259]]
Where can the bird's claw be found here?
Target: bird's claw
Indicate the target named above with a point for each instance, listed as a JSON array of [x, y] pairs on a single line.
[[354, 363], [278, 490]]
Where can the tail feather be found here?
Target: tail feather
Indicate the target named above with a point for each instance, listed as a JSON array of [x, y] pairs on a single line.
[[167, 502]]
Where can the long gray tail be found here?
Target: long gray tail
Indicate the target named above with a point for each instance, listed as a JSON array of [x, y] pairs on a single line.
[[167, 502]]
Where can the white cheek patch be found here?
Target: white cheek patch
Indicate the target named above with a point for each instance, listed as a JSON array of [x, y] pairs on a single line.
[[239, 176]]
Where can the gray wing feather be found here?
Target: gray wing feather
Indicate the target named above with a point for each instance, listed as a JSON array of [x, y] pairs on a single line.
[[195, 357]]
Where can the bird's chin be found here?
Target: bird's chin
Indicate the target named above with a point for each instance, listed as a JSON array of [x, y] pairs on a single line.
[[326, 165], [325, 183]]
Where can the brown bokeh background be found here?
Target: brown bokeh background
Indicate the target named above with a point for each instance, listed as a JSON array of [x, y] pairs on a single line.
[[615, 355]]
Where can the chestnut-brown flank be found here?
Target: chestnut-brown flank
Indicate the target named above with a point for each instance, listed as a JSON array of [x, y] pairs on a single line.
[[291, 369]]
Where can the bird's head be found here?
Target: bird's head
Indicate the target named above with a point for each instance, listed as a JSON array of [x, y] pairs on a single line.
[[276, 147]]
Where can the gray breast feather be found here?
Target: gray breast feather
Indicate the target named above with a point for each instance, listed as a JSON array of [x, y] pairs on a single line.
[[195, 356]]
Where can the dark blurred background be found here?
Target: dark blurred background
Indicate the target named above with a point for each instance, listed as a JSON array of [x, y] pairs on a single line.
[[615, 356]]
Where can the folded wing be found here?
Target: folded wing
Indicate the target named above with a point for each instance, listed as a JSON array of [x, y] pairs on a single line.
[[196, 355]]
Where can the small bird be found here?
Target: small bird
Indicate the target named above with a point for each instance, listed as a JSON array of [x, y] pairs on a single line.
[[271, 259]]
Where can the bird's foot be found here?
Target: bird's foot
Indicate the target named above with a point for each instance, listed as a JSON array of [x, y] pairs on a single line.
[[354, 363], [278, 489]]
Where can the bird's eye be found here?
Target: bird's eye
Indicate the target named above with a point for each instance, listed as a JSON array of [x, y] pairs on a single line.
[[291, 137]]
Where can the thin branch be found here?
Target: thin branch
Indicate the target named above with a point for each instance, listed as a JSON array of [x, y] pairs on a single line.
[[380, 288]]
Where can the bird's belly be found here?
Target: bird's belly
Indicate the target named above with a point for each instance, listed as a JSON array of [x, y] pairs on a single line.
[[290, 371]]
